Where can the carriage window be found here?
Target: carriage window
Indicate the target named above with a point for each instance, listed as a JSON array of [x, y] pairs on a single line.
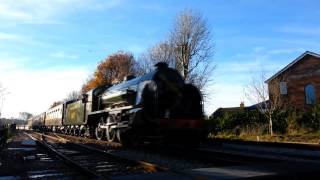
[[310, 94]]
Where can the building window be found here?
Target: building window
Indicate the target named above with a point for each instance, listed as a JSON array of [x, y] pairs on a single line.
[[283, 88], [310, 94]]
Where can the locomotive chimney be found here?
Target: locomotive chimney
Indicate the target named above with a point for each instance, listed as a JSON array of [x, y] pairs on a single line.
[[161, 65], [242, 104]]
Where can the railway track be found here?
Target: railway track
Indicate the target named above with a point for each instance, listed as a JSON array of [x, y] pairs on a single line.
[[176, 167], [177, 161], [106, 162], [226, 152], [22, 158], [92, 162], [91, 141], [203, 156], [175, 158]]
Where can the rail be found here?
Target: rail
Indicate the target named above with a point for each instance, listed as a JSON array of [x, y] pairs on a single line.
[[94, 162]]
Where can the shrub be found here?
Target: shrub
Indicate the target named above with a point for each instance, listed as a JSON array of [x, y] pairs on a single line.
[[280, 121], [236, 122], [310, 120], [315, 113]]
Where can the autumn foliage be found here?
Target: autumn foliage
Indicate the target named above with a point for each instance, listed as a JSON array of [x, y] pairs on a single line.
[[112, 70]]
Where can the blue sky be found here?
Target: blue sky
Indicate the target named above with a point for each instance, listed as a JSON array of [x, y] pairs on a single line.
[[48, 48]]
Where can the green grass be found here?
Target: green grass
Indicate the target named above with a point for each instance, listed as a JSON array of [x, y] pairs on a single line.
[[297, 137]]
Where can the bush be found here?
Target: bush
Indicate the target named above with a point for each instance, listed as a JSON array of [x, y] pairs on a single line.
[[235, 122], [280, 121], [315, 113], [309, 120], [292, 124], [285, 121]]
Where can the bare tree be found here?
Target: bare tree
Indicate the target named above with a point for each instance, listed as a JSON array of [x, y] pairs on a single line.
[[188, 49], [145, 63], [163, 52], [73, 95], [55, 103], [267, 98], [192, 47]]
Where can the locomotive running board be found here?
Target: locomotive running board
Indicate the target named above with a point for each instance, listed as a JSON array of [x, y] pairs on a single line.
[[115, 126]]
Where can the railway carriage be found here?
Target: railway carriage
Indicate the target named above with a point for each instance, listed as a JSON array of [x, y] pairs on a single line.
[[37, 122], [54, 117]]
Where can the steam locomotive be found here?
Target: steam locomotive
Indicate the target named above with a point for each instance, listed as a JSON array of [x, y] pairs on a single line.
[[156, 106]]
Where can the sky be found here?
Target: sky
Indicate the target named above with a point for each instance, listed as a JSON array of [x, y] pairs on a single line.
[[49, 48]]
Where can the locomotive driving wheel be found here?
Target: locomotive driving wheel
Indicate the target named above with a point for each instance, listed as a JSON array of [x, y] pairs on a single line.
[[99, 131], [110, 132], [87, 132]]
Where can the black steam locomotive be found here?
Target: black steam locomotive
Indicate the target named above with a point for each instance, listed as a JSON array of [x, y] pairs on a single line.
[[156, 106]]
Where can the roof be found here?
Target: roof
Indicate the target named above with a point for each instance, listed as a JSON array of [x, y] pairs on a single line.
[[228, 110], [292, 63], [240, 109], [261, 104]]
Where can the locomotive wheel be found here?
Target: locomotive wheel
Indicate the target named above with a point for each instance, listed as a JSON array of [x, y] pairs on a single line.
[[99, 131], [86, 132], [110, 133], [72, 131], [77, 131], [82, 131]]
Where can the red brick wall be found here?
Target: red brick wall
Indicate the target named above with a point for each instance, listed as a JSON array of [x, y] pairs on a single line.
[[306, 71]]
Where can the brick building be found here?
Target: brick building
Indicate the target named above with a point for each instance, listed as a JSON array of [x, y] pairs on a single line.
[[298, 84]]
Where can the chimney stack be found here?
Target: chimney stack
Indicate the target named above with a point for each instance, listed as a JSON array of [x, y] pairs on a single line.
[[242, 104]]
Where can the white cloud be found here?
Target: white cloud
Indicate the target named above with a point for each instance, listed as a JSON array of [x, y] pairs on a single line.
[[7, 36], [63, 55], [12, 37], [49, 11], [18, 38], [8, 11], [34, 90]]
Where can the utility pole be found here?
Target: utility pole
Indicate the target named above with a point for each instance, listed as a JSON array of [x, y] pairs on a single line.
[[2, 99]]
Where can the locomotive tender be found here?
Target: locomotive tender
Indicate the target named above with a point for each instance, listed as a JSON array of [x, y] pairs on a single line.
[[156, 106]]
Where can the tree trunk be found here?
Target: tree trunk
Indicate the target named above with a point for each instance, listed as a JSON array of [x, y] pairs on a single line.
[[185, 72], [270, 126]]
